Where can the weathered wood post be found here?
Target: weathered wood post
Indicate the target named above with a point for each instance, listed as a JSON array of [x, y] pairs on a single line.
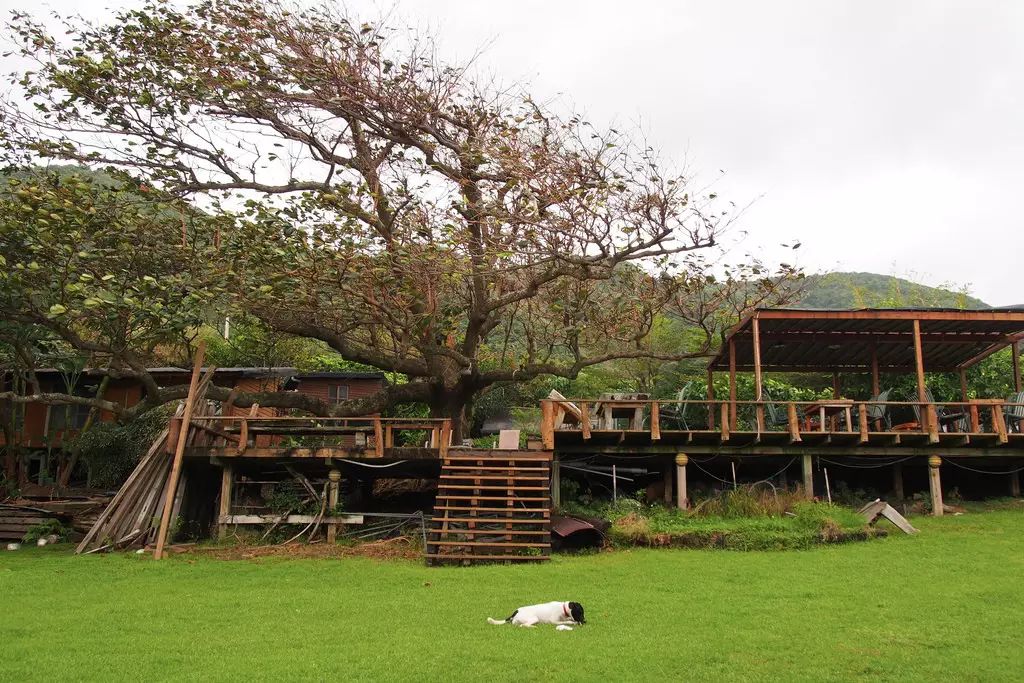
[[556, 484], [1015, 484], [333, 491], [935, 484], [668, 486], [808, 470], [227, 479], [897, 480], [681, 501]]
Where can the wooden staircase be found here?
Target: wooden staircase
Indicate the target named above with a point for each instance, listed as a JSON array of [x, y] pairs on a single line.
[[492, 506]]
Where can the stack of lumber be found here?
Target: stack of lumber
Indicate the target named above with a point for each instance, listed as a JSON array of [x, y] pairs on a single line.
[[132, 518], [80, 514], [15, 520]]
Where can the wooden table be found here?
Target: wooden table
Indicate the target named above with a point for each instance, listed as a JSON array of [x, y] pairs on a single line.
[[614, 407], [831, 410]]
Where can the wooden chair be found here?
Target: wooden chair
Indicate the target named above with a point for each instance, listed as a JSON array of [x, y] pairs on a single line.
[[1013, 414], [676, 412], [877, 410], [774, 415]]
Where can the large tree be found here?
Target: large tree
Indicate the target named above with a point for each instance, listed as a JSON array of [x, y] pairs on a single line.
[[407, 214]]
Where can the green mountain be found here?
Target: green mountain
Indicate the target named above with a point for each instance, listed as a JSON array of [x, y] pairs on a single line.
[[871, 290]]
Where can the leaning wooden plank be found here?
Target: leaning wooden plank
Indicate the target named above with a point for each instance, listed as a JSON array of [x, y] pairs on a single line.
[[179, 452], [124, 491]]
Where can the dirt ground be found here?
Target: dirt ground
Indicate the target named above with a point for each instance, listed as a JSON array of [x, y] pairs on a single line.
[[389, 549]]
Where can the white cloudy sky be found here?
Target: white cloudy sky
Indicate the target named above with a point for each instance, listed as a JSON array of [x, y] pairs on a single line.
[[886, 135]]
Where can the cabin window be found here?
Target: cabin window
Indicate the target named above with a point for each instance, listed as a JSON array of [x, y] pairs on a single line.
[[68, 417], [337, 393]]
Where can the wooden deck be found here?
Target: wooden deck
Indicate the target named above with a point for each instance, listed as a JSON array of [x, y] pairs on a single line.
[[742, 428]]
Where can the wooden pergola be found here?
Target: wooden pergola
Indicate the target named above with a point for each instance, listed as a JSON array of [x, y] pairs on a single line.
[[866, 341]]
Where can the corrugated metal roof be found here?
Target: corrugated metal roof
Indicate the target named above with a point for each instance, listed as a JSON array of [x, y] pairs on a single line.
[[800, 340]]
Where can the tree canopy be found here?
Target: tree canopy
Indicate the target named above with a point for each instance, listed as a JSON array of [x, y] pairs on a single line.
[[356, 190]]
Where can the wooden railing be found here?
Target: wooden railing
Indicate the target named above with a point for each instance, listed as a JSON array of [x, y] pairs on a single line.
[[797, 418], [373, 433]]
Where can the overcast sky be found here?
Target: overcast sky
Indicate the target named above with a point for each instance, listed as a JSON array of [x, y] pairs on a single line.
[[885, 136]]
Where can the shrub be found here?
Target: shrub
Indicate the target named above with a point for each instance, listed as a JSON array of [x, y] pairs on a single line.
[[50, 527], [112, 450]]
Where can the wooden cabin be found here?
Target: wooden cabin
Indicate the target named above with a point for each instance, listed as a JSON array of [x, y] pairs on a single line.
[[39, 425]]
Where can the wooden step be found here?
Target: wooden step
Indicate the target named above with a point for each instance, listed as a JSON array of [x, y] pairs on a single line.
[[530, 558], [490, 544], [520, 510], [492, 477], [491, 520], [511, 457], [495, 532], [489, 468], [485, 487], [470, 496]]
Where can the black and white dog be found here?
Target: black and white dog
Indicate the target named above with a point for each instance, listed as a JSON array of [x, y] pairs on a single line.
[[556, 613]]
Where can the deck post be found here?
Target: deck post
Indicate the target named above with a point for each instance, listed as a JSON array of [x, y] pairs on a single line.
[[1015, 350], [547, 424], [681, 501], [807, 465], [333, 489], [227, 480], [758, 393], [556, 484], [919, 364], [935, 484], [668, 486], [1014, 484], [837, 385], [732, 384], [711, 400], [897, 480], [876, 381]]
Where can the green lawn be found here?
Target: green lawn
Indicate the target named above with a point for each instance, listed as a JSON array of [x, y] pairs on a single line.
[[945, 605]]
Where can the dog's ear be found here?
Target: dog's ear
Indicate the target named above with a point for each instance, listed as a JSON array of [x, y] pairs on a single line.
[[576, 611]]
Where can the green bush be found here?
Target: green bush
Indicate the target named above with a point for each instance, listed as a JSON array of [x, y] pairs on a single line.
[[111, 450], [50, 527]]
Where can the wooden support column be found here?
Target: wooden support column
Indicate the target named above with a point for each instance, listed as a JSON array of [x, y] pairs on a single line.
[[711, 399], [963, 386], [897, 481], [919, 363], [227, 480], [876, 380], [837, 387], [807, 465], [1015, 350], [179, 452], [758, 392], [668, 486], [547, 424], [1014, 484], [556, 484], [333, 492], [732, 385], [935, 484], [681, 500]]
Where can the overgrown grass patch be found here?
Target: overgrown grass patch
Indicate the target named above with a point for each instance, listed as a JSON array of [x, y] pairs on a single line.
[[741, 519], [942, 605]]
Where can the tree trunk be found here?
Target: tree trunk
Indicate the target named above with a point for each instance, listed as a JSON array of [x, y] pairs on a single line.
[[455, 406]]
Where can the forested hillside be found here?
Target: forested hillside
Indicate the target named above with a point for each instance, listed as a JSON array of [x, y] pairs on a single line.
[[871, 290]]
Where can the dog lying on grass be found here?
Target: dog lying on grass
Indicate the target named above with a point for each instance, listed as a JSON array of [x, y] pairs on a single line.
[[555, 613]]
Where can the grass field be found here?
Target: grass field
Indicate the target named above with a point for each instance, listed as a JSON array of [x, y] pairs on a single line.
[[945, 605]]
